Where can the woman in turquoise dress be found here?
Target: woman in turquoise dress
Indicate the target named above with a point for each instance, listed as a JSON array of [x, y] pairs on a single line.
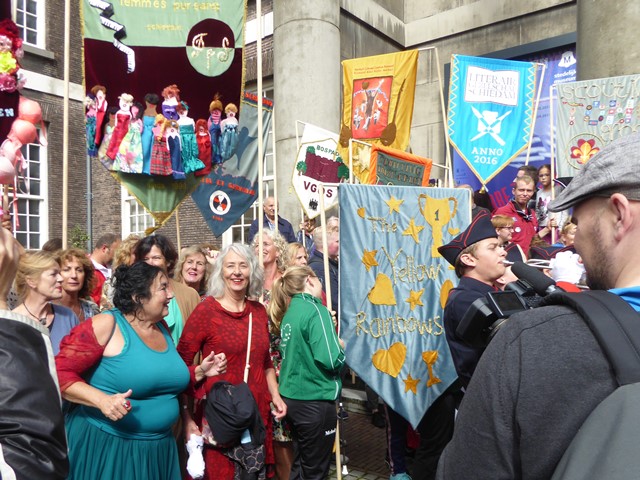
[[122, 370]]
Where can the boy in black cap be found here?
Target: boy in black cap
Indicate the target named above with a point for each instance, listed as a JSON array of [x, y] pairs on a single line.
[[478, 256]]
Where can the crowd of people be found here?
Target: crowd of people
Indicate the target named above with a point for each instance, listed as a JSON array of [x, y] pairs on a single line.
[[144, 337], [236, 353]]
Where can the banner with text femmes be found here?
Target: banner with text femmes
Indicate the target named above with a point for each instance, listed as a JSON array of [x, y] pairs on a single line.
[[491, 106], [389, 166], [232, 186], [377, 103], [391, 318], [591, 114], [142, 46]]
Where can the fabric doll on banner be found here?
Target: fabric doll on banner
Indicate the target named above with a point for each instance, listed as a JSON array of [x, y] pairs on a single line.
[[171, 95], [215, 111], [229, 135], [189, 151], [160, 156], [108, 127], [90, 124], [151, 101], [203, 139], [129, 156], [123, 117], [100, 94], [172, 130]]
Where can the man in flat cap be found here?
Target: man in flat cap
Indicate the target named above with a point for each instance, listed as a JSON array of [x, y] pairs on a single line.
[[477, 255], [544, 372]]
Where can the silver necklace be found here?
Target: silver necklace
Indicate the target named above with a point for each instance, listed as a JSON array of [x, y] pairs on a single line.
[[42, 320]]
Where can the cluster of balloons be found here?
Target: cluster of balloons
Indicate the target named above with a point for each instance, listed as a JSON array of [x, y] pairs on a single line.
[[23, 129]]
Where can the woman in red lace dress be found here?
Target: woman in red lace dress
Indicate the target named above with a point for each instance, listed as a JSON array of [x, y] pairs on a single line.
[[220, 323]]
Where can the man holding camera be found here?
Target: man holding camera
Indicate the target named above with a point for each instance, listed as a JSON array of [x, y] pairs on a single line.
[[544, 372], [477, 255]]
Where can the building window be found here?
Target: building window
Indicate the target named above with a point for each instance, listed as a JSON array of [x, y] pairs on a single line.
[[135, 219], [29, 15], [31, 224]]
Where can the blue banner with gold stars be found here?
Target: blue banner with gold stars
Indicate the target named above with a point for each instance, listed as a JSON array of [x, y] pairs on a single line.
[[391, 318]]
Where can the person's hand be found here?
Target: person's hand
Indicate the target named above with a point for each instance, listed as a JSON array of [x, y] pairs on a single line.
[[341, 341], [116, 406], [334, 317], [9, 258], [278, 408], [190, 427], [213, 364]]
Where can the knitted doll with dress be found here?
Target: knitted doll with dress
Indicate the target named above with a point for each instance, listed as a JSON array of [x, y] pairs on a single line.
[[171, 95], [215, 111], [129, 156], [229, 132], [172, 132], [108, 128], [160, 156], [90, 124], [151, 101], [189, 146], [123, 117], [100, 94], [203, 139]]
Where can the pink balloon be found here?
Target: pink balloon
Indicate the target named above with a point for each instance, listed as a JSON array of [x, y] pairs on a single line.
[[23, 131], [29, 110]]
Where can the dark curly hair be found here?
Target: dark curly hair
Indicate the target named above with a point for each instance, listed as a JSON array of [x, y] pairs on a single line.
[[132, 285], [144, 246]]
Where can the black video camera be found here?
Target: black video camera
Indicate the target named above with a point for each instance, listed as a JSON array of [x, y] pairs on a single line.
[[486, 315]]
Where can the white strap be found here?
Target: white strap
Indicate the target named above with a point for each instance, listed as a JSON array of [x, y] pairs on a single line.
[[247, 366]]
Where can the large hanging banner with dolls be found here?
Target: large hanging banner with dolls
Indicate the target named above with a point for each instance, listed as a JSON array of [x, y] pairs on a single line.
[[591, 114], [391, 318], [164, 79], [231, 187], [140, 47], [491, 107], [377, 104]]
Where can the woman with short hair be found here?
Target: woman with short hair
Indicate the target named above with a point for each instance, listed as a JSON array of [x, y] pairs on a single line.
[[123, 371]]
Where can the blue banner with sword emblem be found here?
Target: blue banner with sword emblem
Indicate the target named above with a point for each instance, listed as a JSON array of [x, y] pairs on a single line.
[[491, 107]]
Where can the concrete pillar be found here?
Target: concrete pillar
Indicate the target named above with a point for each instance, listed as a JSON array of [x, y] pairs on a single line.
[[606, 40], [306, 82]]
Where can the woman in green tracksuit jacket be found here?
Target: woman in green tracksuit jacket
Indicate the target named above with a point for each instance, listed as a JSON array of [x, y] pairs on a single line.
[[312, 357]]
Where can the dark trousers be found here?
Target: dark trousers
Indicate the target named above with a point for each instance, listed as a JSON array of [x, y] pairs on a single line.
[[313, 424], [435, 429]]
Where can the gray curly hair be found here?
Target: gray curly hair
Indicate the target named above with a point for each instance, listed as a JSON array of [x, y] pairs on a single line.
[[256, 274]]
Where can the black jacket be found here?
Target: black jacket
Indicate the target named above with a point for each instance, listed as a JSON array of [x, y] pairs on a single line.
[[32, 435]]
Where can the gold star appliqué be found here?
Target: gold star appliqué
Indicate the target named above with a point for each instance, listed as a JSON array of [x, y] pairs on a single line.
[[369, 259], [394, 204], [411, 384], [413, 230], [414, 298]]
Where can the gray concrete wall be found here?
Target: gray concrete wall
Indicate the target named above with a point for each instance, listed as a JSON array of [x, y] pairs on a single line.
[[307, 78], [606, 44]]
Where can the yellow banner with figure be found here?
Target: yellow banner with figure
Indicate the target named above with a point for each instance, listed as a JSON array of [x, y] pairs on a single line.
[[377, 104]]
